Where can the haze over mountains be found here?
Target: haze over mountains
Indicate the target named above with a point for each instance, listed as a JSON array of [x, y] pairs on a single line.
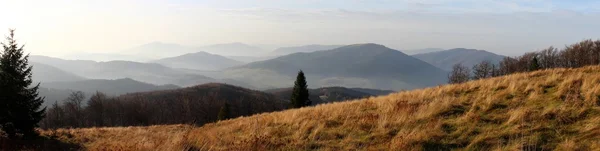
[[360, 65], [368, 66], [199, 61], [468, 57], [58, 91], [145, 72]]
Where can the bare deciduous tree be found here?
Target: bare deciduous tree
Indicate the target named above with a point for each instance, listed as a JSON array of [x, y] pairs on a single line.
[[482, 70], [459, 74]]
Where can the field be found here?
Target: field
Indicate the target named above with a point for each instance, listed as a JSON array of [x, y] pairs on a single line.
[[556, 109]]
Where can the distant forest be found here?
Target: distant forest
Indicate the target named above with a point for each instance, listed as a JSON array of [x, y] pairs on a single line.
[[194, 105]]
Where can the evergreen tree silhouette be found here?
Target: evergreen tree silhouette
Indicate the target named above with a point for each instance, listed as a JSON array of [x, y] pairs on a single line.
[[20, 104]]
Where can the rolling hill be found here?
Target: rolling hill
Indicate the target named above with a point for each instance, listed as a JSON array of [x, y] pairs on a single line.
[[360, 65], [199, 61], [555, 109], [46, 73], [468, 57], [191, 105]]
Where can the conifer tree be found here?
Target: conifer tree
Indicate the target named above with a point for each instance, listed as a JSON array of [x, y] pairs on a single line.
[[223, 112], [534, 65], [20, 104], [300, 92]]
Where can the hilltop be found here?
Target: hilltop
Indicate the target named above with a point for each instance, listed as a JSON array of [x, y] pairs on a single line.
[[543, 110]]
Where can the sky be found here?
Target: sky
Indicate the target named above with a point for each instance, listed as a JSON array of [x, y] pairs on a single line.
[[509, 27]]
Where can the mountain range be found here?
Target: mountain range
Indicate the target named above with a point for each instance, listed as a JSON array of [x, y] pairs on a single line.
[[360, 65], [146, 72]]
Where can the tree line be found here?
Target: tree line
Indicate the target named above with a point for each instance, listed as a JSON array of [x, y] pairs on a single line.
[[195, 105], [584, 53]]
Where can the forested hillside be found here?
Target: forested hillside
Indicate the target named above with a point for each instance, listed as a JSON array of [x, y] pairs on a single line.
[[192, 105]]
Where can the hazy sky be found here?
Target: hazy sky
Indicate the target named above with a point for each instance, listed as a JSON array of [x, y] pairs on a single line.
[[60, 27]]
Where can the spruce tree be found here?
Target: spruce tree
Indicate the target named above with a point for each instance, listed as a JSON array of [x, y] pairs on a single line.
[[300, 92], [534, 65], [223, 113], [20, 104]]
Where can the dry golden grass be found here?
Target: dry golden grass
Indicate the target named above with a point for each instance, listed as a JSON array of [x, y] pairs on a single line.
[[557, 109]]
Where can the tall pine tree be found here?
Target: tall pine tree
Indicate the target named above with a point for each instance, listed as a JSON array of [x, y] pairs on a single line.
[[20, 104], [300, 92]]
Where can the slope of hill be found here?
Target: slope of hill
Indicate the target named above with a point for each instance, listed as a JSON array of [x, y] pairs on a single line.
[[46, 73], [199, 61], [557, 109], [323, 95], [72, 66], [468, 57], [305, 48], [361, 65]]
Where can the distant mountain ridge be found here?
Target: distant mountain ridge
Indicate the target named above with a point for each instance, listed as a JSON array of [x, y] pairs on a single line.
[[304, 48], [371, 65], [146, 72], [199, 61], [468, 57], [46, 73]]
